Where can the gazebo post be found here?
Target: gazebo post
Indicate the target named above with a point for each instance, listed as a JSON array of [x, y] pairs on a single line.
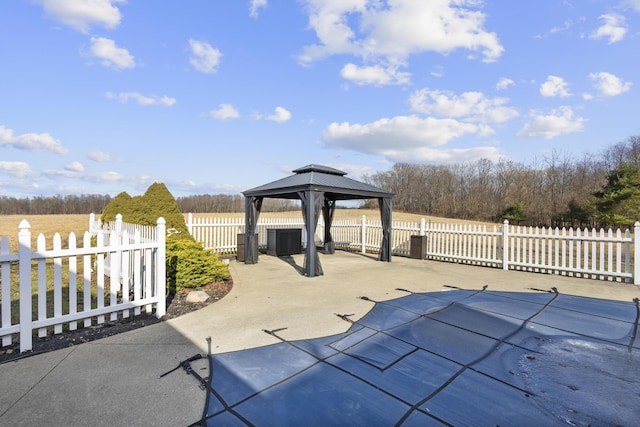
[[311, 242], [252, 207], [385, 204]]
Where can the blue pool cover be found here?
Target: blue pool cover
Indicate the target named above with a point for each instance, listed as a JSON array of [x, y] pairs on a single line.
[[444, 358]]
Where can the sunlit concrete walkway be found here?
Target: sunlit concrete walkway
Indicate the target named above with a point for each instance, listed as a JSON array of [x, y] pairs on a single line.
[[116, 381]]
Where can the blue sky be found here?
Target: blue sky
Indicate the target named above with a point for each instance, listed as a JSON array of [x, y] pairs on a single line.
[[210, 97]]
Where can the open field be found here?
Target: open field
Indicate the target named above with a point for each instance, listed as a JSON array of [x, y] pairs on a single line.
[[48, 225]]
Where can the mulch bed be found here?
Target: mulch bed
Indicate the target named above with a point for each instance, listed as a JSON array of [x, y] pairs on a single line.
[[177, 305]]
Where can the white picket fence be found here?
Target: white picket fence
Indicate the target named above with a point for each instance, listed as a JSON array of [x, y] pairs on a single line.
[[598, 254], [121, 274]]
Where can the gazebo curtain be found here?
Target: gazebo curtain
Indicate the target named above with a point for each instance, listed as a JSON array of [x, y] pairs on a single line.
[[252, 208], [328, 209], [384, 204], [311, 204]]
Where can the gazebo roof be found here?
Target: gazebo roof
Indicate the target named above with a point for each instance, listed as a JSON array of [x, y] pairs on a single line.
[[332, 182]]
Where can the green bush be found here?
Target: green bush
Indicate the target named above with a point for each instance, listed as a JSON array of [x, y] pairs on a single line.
[[156, 202], [190, 266]]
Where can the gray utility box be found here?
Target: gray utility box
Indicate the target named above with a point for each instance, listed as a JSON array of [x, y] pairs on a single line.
[[241, 249], [418, 247], [284, 241]]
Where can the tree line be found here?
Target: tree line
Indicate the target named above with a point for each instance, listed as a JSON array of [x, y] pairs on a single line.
[[557, 190], [221, 203], [58, 205], [92, 203]]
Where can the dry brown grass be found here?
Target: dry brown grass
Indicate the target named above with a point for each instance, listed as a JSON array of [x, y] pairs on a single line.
[[47, 225]]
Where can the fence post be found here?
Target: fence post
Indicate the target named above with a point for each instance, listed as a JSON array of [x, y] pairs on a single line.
[[92, 218], [363, 233], [119, 226], [505, 245], [161, 272], [190, 223], [636, 253], [24, 263], [422, 226]]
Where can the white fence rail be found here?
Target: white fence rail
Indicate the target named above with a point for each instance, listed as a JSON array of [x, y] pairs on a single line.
[[62, 287], [599, 254]]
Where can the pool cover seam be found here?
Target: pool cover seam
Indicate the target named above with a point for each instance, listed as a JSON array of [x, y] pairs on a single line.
[[470, 364], [325, 360]]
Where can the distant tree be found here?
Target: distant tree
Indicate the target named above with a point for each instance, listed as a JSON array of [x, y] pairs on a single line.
[[54, 205], [627, 151], [579, 215], [618, 203], [514, 213]]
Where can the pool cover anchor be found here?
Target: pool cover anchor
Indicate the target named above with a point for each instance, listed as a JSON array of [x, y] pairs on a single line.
[[345, 317], [273, 332], [186, 365]]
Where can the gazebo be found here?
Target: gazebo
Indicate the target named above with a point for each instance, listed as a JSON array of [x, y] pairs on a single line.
[[317, 187]]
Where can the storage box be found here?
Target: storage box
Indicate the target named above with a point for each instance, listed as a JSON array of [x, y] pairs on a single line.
[[418, 247], [284, 241]]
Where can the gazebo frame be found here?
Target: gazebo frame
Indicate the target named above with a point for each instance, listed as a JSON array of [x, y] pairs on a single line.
[[317, 187]]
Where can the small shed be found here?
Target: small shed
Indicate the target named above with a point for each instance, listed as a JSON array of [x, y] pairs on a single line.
[[318, 187]]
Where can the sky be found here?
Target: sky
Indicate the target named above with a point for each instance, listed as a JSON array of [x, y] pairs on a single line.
[[220, 96]]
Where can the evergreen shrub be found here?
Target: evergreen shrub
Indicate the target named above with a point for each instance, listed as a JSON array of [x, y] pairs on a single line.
[[188, 264]]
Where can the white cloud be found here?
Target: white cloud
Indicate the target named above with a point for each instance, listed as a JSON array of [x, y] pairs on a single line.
[[614, 28], [405, 138], [255, 5], [473, 106], [205, 58], [75, 167], [504, 83], [554, 87], [395, 30], [225, 112], [353, 171], [437, 71], [608, 84], [31, 141], [558, 122], [82, 14], [564, 27], [111, 55], [100, 177], [25, 186], [281, 115], [100, 156], [375, 75], [635, 4], [18, 169], [143, 100]]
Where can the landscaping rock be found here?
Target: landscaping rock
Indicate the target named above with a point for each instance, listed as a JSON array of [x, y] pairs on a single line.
[[197, 297]]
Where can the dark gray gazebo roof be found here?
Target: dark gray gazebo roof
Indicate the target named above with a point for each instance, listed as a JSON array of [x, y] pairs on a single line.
[[332, 182], [318, 188]]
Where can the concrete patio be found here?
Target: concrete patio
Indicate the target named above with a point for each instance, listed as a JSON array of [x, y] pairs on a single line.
[[117, 380]]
